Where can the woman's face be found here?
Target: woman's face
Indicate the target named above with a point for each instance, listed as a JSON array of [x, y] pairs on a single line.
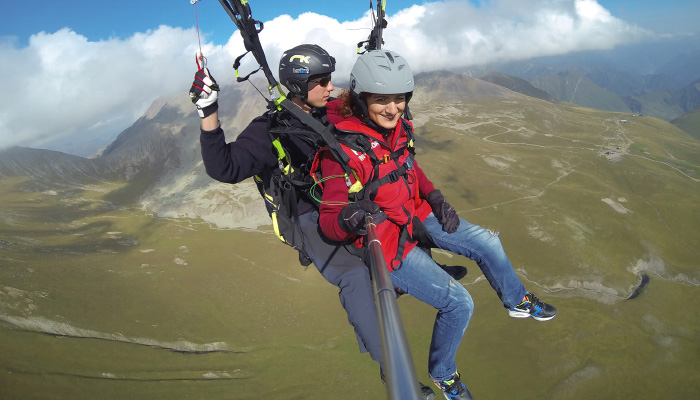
[[386, 109]]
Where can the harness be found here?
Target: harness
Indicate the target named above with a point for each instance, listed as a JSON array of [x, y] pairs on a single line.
[[362, 144], [282, 187]]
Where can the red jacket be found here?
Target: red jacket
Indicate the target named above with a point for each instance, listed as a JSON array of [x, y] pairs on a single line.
[[399, 200]]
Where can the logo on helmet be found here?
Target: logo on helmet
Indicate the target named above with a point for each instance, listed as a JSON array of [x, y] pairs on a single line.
[[302, 70], [303, 59]]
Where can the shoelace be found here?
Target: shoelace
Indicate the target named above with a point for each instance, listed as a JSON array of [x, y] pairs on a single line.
[[535, 303], [453, 386]]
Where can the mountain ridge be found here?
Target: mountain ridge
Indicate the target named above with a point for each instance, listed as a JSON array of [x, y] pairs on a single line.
[[158, 157]]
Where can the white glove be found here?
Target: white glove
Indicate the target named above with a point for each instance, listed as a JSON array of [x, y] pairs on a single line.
[[204, 93]]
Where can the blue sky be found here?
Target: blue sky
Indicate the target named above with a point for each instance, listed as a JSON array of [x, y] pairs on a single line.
[[104, 19], [98, 20], [93, 67]]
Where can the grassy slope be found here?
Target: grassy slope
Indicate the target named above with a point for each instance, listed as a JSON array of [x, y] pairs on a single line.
[[537, 173], [573, 87], [75, 265], [689, 123]]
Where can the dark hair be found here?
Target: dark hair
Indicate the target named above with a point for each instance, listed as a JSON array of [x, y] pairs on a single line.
[[350, 106]]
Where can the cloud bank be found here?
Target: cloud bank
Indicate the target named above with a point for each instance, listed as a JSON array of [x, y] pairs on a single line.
[[65, 92]]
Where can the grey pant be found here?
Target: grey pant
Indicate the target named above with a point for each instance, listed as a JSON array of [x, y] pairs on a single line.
[[352, 277]]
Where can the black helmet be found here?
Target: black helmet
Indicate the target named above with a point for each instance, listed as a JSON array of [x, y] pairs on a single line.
[[298, 64]]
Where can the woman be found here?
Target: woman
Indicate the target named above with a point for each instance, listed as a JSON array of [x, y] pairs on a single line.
[[379, 144], [443, 228]]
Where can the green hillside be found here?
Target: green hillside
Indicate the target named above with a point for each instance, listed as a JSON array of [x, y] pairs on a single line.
[[102, 300], [517, 85], [574, 87], [539, 173], [689, 123]]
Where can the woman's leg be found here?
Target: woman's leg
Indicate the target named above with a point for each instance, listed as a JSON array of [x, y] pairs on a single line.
[[352, 277], [421, 278], [484, 247]]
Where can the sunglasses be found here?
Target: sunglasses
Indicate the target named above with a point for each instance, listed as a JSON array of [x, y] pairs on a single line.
[[321, 81]]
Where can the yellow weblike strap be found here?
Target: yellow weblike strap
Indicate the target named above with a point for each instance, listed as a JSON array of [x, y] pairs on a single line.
[[282, 156], [355, 187]]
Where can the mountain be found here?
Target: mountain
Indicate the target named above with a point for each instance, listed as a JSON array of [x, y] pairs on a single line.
[[670, 104], [46, 165], [689, 123], [517, 85], [445, 86], [682, 68], [648, 78], [159, 163], [574, 87]]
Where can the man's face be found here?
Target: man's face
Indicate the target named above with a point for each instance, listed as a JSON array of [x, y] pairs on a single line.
[[320, 88]]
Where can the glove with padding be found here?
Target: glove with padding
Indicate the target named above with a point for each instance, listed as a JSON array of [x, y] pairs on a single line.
[[352, 217], [445, 214], [204, 93]]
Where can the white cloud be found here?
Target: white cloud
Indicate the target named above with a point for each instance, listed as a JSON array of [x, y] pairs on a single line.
[[64, 88]]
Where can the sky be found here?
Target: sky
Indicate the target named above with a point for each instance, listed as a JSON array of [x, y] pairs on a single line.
[[75, 74]]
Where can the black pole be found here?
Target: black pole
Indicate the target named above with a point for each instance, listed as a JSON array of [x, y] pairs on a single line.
[[380, 23], [401, 379]]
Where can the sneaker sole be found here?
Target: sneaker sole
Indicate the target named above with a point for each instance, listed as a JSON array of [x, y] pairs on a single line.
[[451, 398], [520, 314], [543, 318]]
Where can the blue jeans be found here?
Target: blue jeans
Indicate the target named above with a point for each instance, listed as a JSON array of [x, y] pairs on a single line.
[[484, 247], [419, 276]]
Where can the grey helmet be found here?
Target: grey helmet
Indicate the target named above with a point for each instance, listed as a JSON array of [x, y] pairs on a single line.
[[300, 63], [381, 72]]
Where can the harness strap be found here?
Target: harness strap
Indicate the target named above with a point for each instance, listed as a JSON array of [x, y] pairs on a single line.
[[330, 140], [391, 177], [404, 237]]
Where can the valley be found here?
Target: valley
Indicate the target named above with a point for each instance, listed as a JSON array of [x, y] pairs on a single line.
[[104, 290]]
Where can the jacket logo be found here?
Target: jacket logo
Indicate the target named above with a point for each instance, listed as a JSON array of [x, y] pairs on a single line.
[[303, 59], [361, 156]]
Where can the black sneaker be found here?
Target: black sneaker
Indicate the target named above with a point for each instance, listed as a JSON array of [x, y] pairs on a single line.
[[454, 389], [425, 391], [457, 272], [533, 307]]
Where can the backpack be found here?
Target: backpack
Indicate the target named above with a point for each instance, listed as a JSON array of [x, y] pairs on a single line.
[[281, 187]]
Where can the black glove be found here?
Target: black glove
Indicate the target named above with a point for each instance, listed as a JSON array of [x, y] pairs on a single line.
[[204, 93], [352, 217], [443, 211]]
